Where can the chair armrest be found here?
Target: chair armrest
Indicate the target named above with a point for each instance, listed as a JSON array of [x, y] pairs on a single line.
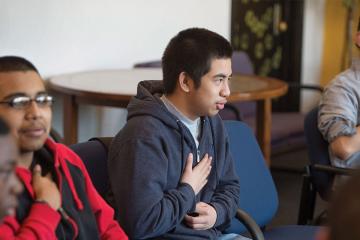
[[250, 224], [308, 192], [306, 86], [334, 170]]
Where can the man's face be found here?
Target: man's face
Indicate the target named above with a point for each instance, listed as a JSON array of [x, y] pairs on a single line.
[[30, 125], [211, 96], [9, 184]]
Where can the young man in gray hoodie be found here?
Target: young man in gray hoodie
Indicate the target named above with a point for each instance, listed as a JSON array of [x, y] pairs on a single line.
[[170, 166]]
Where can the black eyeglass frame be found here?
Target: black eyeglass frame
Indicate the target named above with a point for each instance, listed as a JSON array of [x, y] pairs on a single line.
[[21, 102]]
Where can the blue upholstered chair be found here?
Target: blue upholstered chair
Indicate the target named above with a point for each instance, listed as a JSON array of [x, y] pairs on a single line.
[[94, 154], [287, 132], [258, 195], [319, 174]]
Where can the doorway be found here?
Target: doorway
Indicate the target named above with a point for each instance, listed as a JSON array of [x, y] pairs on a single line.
[[270, 32]]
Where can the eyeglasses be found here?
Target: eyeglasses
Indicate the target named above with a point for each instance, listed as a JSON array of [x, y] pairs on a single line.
[[21, 102]]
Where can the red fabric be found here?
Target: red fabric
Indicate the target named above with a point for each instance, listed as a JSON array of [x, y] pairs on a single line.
[[40, 224], [43, 220]]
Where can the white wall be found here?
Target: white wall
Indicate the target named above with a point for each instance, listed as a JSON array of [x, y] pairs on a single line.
[[312, 50], [77, 35]]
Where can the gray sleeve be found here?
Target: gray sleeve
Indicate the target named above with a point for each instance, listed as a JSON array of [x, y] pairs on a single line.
[[338, 109]]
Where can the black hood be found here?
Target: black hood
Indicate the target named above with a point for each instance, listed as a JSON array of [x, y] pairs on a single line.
[[147, 102]]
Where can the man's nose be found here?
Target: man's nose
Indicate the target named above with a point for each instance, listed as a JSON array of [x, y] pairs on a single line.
[[33, 110], [225, 92]]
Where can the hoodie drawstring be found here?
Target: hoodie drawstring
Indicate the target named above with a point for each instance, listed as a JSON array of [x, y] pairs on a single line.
[[182, 144], [215, 155]]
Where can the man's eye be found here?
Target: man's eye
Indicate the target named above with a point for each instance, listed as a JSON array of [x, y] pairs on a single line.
[[40, 99], [19, 101], [44, 99]]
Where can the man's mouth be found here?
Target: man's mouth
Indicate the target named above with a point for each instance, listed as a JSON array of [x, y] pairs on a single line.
[[33, 132], [220, 105]]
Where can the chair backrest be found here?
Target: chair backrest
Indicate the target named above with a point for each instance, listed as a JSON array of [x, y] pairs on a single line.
[[241, 63], [318, 154], [258, 195], [149, 64], [94, 154]]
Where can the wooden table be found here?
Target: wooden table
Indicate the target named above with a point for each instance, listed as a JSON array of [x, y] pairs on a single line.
[[116, 87], [261, 90]]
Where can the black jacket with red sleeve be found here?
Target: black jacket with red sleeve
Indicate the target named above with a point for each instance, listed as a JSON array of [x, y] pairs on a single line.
[[86, 215]]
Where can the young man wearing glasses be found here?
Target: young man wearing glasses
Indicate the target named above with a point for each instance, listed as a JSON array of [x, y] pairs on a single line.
[[59, 200], [9, 184]]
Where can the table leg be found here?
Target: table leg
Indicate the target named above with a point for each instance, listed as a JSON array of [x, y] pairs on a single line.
[[70, 120], [263, 126]]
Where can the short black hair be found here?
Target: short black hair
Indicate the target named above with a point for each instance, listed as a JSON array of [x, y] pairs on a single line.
[[4, 128], [192, 51], [358, 28], [15, 63]]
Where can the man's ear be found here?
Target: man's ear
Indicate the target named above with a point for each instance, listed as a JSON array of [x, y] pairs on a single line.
[[323, 234], [184, 82], [357, 39]]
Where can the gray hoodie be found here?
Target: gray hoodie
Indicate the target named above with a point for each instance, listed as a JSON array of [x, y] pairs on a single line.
[[146, 162]]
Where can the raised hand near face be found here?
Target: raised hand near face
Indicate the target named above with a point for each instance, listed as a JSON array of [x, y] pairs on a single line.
[[45, 189]]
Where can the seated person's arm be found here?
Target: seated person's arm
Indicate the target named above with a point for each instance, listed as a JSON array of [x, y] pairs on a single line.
[[43, 218], [345, 146], [337, 119]]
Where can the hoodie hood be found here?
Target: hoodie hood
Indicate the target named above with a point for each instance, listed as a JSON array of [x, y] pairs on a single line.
[[147, 102]]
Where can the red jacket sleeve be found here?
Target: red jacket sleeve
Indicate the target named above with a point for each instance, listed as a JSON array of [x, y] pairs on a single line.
[[108, 227], [40, 224]]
